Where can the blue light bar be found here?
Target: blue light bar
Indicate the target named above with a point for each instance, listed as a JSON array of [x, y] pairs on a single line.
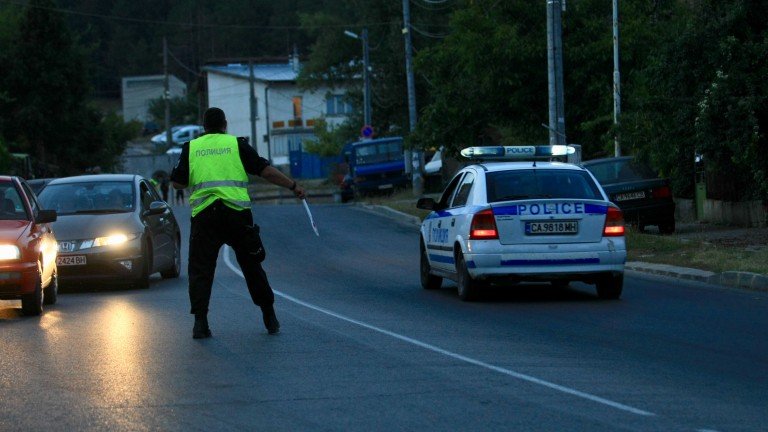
[[517, 152]]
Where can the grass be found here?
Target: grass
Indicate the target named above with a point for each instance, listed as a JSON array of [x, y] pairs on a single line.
[[700, 254]]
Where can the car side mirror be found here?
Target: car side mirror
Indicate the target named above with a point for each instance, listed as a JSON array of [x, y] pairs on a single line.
[[426, 204], [156, 208], [46, 216]]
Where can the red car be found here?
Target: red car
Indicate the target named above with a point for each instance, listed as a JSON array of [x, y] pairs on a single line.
[[27, 248]]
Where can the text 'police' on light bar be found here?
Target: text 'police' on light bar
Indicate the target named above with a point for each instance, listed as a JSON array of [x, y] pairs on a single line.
[[517, 152]]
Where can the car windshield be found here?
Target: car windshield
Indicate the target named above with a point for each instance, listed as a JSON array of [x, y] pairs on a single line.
[[11, 204], [378, 152], [88, 197], [534, 183], [620, 171]]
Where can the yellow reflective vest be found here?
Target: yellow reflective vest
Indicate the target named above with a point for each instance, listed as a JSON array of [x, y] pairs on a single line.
[[216, 173]]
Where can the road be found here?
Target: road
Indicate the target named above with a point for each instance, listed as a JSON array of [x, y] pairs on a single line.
[[364, 348]]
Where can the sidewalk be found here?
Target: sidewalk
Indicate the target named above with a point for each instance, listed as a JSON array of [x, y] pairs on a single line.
[[749, 238]]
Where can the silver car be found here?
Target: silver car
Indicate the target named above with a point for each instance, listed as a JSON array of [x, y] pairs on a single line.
[[112, 228]]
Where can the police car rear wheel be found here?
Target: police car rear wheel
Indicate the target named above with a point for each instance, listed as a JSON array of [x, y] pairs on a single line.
[[467, 287], [609, 287], [428, 281]]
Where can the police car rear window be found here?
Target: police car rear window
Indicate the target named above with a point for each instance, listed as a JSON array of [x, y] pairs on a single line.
[[532, 184]]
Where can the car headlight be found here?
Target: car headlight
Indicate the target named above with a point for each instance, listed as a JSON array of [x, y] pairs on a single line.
[[9, 252], [111, 240]]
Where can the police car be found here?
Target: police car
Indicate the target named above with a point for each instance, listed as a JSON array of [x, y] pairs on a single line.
[[517, 215]]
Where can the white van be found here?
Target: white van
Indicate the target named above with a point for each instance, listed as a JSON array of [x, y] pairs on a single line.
[[180, 134]]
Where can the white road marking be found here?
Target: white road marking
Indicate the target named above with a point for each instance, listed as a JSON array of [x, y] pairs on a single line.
[[450, 354]]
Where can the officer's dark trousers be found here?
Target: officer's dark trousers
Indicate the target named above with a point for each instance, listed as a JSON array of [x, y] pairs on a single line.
[[216, 225]]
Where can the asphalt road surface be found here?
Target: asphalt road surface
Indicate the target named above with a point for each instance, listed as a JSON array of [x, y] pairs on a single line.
[[364, 348]]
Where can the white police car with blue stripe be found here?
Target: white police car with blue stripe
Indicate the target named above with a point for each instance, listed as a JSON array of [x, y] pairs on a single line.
[[516, 215]]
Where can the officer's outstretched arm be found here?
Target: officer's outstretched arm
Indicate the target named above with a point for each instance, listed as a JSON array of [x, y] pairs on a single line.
[[274, 176]]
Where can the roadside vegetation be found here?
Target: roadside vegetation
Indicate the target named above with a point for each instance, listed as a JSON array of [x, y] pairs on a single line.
[[712, 255]]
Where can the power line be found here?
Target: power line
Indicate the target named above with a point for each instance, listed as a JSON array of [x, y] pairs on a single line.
[[429, 34], [188, 24], [432, 5]]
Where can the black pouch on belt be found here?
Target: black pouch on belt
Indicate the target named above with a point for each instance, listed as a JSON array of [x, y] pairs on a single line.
[[254, 244]]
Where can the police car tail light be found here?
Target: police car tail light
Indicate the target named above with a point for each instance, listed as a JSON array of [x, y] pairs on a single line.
[[662, 192], [483, 226], [614, 223]]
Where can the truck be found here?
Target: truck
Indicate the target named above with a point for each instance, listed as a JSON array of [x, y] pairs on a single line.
[[374, 166]]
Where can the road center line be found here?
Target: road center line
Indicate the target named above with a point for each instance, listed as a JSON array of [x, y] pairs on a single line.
[[450, 354]]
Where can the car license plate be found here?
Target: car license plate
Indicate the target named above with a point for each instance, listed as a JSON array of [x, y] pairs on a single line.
[[70, 260], [385, 186], [554, 227], [630, 196]]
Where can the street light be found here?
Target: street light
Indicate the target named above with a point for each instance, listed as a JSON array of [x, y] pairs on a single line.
[[366, 79]]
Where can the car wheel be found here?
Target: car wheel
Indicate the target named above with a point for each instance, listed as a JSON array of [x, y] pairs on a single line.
[[51, 292], [174, 271], [667, 227], [467, 287], [609, 286], [428, 280], [32, 304], [146, 262]]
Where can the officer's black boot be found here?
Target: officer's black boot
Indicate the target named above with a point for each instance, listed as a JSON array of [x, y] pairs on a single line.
[[201, 330], [270, 319]]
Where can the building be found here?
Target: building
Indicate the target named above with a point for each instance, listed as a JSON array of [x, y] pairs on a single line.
[[285, 114], [138, 91]]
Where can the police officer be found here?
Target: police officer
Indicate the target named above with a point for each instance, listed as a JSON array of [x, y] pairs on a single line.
[[215, 166]]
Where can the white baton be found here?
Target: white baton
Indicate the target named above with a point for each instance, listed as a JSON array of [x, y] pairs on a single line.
[[311, 219]]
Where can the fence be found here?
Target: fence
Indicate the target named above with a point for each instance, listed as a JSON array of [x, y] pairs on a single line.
[[309, 166]]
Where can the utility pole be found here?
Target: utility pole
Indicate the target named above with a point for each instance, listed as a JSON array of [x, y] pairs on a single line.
[[366, 80], [616, 82], [417, 156], [252, 103], [167, 95], [555, 75], [366, 74]]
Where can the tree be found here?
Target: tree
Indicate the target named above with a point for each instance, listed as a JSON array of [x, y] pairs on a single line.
[[47, 93], [703, 91], [487, 79], [5, 159]]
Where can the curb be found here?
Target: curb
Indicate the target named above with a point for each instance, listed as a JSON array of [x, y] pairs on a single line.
[[391, 213], [737, 279]]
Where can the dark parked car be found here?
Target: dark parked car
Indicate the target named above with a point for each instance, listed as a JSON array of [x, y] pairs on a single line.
[[112, 228], [644, 197]]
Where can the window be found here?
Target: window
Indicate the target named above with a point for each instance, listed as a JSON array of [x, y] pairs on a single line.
[[32, 199], [69, 198], [448, 193], [336, 105], [463, 194], [297, 107], [524, 184], [11, 206], [378, 152]]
